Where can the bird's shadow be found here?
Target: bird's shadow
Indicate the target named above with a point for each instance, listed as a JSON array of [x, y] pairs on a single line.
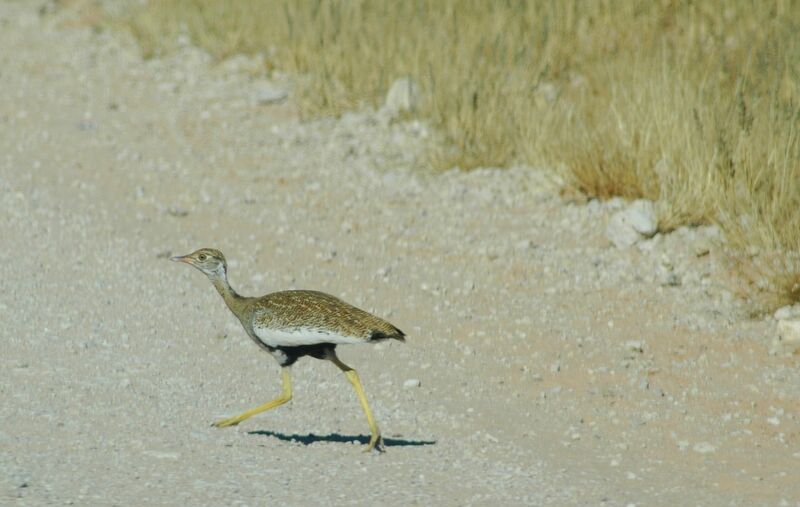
[[336, 437]]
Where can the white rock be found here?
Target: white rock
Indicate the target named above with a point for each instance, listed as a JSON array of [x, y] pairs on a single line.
[[703, 448], [403, 96], [642, 217], [525, 244], [787, 312], [787, 340], [547, 92], [620, 233], [634, 346], [637, 221], [614, 204], [267, 94], [411, 383]]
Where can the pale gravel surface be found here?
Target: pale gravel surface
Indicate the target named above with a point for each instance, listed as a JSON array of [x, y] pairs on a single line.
[[553, 369]]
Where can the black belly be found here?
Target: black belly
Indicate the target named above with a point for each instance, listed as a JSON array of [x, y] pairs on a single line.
[[287, 356]]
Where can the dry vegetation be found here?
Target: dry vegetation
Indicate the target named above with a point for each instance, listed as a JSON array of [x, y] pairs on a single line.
[[693, 104]]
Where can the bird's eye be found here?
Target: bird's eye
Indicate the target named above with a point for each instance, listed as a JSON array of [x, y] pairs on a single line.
[[202, 257]]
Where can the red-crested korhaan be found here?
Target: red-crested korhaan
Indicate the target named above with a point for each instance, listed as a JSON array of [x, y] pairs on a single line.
[[295, 323]]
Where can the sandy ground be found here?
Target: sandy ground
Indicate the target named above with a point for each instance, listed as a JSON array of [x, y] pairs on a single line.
[[520, 315]]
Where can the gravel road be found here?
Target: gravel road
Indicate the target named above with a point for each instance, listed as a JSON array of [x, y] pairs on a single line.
[[543, 366]]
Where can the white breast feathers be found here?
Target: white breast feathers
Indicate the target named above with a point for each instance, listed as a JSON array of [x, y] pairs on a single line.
[[293, 337]]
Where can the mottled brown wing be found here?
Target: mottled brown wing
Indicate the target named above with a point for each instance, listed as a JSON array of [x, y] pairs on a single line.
[[318, 311]]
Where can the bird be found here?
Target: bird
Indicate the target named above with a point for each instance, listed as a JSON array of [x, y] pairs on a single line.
[[292, 324]]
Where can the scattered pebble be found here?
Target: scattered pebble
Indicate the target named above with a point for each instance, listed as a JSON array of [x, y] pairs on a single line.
[[634, 346], [268, 94], [177, 212], [787, 339], [704, 448], [403, 96]]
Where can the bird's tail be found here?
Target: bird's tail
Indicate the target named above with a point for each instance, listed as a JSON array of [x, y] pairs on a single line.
[[390, 334]]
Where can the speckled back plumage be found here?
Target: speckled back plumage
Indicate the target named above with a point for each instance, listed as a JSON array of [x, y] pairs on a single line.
[[297, 310]]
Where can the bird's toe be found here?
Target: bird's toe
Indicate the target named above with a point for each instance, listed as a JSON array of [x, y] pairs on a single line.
[[375, 444], [226, 422]]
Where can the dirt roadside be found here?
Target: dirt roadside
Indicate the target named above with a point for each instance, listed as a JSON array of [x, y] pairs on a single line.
[[552, 368]]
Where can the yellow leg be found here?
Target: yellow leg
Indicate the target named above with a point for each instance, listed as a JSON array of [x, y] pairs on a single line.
[[375, 441], [286, 396]]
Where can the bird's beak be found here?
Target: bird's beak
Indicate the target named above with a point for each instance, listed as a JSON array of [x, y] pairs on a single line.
[[181, 258]]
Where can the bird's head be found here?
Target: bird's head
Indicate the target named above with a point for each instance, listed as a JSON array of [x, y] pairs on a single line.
[[209, 261]]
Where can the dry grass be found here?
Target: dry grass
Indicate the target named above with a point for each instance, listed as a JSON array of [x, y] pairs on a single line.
[[694, 104]]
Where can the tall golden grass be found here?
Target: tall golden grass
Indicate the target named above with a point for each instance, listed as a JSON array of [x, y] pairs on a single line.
[[693, 104]]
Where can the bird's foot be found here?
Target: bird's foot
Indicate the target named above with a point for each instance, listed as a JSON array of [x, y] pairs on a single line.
[[375, 444], [224, 423]]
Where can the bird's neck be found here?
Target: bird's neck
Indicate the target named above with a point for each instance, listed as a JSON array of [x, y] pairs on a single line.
[[232, 299]]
